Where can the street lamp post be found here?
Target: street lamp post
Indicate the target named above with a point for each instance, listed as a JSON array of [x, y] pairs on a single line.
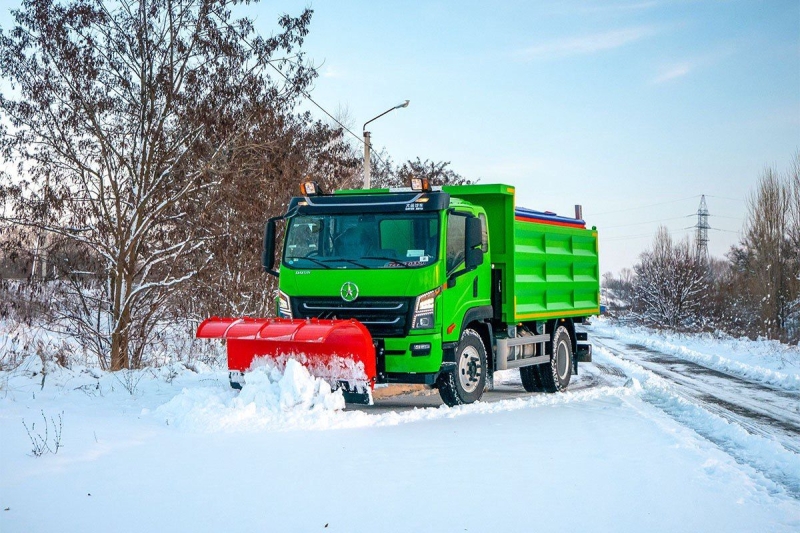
[[367, 166]]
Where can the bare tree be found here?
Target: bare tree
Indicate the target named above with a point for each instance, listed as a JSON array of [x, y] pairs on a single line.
[[387, 174], [793, 252], [618, 292], [762, 258], [669, 283], [121, 120], [269, 165]]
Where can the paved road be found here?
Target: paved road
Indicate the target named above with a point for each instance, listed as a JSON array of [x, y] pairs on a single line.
[[507, 387]]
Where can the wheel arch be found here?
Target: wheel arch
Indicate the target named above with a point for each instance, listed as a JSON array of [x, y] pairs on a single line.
[[478, 319], [552, 326]]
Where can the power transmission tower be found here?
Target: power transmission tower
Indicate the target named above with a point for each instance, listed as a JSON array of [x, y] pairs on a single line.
[[701, 239]]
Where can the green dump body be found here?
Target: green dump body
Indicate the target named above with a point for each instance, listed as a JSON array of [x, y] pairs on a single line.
[[548, 266]]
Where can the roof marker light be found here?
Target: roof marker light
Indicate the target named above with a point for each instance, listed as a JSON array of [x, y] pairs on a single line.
[[420, 184], [311, 188]]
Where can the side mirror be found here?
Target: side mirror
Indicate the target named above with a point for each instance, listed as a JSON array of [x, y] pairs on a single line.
[[473, 259], [473, 239], [268, 249], [474, 233], [473, 253]]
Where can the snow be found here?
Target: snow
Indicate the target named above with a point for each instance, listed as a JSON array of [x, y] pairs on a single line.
[[185, 452], [767, 455], [762, 360], [270, 400]]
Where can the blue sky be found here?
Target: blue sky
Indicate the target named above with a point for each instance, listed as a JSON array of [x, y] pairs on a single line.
[[614, 105], [631, 108]]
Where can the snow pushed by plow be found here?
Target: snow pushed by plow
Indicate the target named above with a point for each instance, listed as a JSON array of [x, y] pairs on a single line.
[[275, 396], [295, 399]]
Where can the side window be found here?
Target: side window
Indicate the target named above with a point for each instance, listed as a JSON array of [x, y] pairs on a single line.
[[456, 229], [484, 234]]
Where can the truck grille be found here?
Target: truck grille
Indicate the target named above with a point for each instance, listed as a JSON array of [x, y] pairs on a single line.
[[383, 317]]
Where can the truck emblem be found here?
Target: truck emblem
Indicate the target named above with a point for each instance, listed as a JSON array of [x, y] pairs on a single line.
[[349, 291]]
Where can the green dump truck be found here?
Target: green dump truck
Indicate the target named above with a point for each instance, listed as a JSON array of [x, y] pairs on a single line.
[[437, 287]]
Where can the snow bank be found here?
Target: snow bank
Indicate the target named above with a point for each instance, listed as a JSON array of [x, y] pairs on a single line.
[[271, 398], [762, 360]]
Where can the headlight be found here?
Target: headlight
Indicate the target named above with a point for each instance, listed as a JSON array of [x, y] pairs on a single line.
[[423, 310], [284, 305]]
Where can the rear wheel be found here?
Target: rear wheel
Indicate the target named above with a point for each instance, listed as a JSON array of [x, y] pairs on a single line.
[[466, 381], [531, 380], [555, 375]]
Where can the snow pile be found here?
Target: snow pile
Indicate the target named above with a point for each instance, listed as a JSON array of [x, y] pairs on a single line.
[[290, 388], [332, 368], [763, 360], [271, 399]]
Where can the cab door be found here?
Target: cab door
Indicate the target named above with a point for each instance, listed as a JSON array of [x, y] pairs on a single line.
[[466, 290]]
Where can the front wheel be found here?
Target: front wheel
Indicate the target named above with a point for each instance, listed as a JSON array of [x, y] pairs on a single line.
[[467, 380]]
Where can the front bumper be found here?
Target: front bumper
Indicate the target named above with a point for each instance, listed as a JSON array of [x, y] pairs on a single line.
[[411, 355]]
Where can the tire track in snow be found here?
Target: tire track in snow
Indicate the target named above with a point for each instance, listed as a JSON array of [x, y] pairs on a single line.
[[753, 444], [760, 408]]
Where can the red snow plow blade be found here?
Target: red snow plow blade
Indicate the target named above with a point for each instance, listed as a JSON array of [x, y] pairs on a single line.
[[339, 351]]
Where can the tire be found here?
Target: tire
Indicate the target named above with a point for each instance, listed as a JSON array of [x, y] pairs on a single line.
[[467, 380], [531, 381], [556, 374]]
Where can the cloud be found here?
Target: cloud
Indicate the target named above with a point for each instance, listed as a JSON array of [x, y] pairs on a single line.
[[587, 44], [331, 72], [673, 72], [636, 6], [685, 67]]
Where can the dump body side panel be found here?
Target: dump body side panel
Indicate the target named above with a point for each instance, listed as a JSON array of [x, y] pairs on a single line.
[[556, 271]]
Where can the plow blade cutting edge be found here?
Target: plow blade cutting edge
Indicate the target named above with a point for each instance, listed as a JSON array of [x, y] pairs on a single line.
[[339, 351]]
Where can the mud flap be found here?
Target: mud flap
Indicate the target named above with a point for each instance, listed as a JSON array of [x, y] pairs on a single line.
[[583, 354]]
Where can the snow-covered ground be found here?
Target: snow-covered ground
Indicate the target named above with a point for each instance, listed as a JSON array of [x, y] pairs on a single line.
[[764, 360], [625, 450]]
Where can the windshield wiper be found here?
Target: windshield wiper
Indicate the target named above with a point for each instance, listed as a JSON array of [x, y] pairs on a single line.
[[386, 258], [351, 261], [317, 261]]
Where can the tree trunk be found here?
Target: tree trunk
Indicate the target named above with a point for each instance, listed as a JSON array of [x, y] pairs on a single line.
[[121, 333]]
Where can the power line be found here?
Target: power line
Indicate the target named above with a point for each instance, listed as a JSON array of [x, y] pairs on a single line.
[[644, 206], [723, 216], [304, 93], [638, 236], [648, 222], [308, 96], [725, 198]]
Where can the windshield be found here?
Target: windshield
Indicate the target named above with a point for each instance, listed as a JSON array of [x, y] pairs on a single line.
[[392, 240]]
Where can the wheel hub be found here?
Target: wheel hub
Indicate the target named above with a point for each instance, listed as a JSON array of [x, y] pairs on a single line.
[[469, 369], [562, 360]]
